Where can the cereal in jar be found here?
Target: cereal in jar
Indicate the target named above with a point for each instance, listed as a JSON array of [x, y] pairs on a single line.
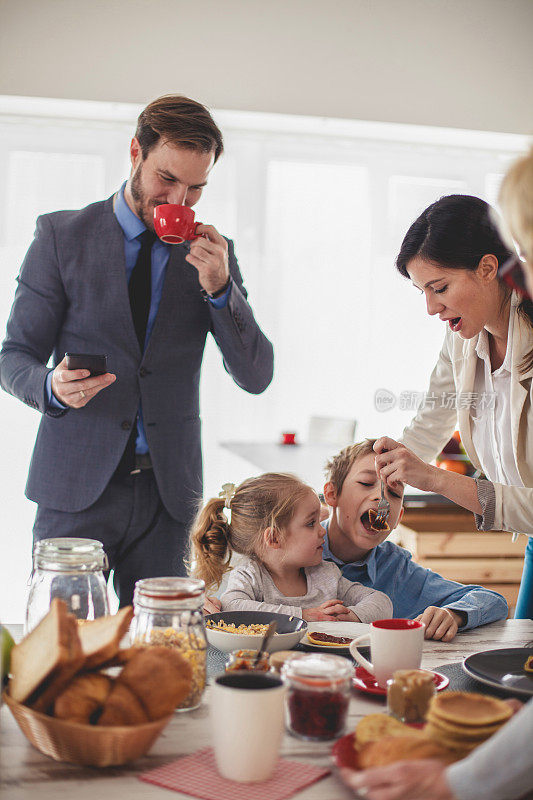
[[169, 613]]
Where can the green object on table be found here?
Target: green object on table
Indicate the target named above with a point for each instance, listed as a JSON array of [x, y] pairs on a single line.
[[6, 646]]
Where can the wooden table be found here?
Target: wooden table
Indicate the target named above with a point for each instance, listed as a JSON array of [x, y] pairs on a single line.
[[25, 773]]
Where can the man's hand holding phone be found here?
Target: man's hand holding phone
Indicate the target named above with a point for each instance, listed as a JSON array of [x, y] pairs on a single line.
[[75, 387]]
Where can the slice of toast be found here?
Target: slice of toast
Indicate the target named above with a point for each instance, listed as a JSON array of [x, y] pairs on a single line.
[[100, 638], [43, 653], [61, 677], [121, 657]]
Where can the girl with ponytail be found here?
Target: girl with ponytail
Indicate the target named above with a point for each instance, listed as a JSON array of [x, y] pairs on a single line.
[[273, 521]]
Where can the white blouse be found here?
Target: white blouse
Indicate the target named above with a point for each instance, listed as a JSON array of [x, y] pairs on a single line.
[[491, 414]]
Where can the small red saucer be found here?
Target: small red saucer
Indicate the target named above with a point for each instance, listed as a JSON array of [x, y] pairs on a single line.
[[366, 682], [344, 753]]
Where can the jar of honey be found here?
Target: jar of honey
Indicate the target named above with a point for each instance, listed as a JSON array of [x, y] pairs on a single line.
[[246, 660], [409, 694], [318, 696]]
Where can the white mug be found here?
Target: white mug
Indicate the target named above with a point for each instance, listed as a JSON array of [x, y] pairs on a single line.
[[394, 644], [247, 715]]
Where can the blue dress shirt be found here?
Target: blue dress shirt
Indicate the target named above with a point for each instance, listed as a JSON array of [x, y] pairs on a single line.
[[412, 588], [132, 228]]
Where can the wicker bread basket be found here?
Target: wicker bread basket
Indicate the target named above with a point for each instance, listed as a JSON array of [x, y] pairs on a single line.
[[89, 745]]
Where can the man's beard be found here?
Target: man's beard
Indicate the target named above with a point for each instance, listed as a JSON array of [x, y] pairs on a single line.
[[139, 198]]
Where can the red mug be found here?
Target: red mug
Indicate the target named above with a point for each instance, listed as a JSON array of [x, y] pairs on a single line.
[[395, 644], [288, 438], [175, 224]]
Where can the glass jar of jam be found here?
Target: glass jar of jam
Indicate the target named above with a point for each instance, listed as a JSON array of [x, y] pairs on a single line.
[[169, 612], [318, 696], [245, 660], [72, 569]]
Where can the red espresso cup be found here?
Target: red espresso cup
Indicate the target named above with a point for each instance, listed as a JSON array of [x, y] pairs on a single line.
[[175, 224], [288, 438]]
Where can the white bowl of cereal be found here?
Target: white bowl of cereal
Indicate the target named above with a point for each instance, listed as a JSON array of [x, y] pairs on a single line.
[[244, 630]]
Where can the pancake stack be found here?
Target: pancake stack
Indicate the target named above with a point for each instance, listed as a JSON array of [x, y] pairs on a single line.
[[462, 721]]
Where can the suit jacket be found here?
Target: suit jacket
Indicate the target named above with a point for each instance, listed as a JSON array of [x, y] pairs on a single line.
[[433, 426], [72, 296]]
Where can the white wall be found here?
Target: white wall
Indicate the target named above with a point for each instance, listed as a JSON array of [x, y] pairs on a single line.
[[343, 322], [455, 63]]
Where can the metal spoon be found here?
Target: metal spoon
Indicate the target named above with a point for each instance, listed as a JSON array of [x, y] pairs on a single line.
[[270, 631]]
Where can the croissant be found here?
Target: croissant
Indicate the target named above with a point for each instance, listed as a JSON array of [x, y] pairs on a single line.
[[84, 696], [122, 708], [153, 682], [161, 679]]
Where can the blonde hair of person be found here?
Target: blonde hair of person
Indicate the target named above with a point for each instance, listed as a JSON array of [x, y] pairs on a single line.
[[339, 466], [516, 203], [267, 501]]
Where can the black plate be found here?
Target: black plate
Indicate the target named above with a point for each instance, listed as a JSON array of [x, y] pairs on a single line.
[[503, 669], [286, 624]]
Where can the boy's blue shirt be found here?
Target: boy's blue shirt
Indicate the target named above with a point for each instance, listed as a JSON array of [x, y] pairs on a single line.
[[412, 588]]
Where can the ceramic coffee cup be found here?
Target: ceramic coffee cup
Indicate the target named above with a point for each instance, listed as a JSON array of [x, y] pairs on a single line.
[[288, 438], [175, 224], [394, 644], [247, 724]]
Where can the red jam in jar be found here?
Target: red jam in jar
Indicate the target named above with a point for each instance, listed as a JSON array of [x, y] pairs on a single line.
[[318, 696]]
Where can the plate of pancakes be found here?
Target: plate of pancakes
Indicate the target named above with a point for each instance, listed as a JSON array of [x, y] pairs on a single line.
[[457, 723], [333, 636]]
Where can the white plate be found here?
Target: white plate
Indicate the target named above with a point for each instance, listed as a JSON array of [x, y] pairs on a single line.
[[351, 629]]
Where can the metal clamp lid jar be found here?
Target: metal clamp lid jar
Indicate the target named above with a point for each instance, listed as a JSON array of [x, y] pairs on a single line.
[[169, 613], [72, 569], [318, 695]]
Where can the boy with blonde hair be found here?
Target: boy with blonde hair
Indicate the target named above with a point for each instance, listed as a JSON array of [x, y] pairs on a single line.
[[353, 488]]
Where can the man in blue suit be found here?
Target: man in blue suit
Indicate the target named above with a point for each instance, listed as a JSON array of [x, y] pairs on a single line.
[[118, 456]]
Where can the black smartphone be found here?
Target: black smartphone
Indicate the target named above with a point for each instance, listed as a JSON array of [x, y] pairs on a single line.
[[96, 364]]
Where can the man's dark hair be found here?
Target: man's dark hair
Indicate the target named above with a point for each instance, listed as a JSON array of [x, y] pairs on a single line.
[[181, 122]]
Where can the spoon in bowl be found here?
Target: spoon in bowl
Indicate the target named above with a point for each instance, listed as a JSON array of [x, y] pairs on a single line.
[[270, 631]]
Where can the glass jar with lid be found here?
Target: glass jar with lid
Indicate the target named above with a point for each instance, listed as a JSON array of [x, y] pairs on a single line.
[[169, 612], [409, 694], [72, 569], [247, 660], [318, 696]]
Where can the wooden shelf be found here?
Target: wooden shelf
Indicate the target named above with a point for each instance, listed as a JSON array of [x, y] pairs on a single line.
[[446, 544]]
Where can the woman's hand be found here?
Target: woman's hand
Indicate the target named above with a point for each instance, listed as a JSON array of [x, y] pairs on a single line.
[[406, 780], [514, 704], [396, 464], [441, 623]]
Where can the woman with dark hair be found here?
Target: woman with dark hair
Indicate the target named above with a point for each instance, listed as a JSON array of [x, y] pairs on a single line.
[[452, 254]]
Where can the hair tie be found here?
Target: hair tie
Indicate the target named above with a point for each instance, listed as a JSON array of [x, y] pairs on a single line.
[[228, 493]]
